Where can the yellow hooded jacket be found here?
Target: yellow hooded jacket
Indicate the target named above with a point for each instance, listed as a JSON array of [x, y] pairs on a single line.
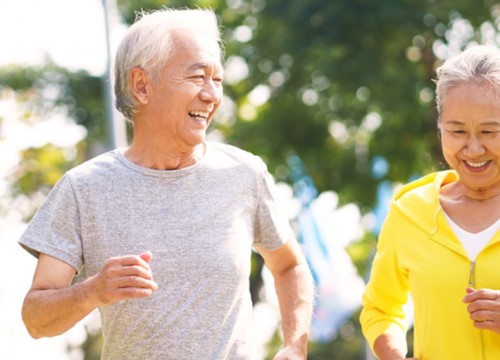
[[418, 252]]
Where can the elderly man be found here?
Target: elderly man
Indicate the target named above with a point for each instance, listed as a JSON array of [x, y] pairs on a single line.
[[165, 227]]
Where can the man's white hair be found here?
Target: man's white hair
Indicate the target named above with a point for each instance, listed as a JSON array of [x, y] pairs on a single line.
[[149, 44], [477, 64]]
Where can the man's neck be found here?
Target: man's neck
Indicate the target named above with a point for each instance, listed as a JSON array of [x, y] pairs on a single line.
[[164, 158]]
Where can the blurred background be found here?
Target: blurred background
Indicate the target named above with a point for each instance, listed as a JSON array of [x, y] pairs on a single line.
[[336, 96]]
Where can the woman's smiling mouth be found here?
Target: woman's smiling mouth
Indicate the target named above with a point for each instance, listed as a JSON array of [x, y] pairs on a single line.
[[477, 166]]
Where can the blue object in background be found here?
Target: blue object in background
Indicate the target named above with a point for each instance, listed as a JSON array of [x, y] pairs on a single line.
[[384, 197], [333, 304], [380, 167]]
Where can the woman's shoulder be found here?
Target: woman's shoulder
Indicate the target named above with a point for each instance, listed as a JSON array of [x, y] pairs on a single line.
[[416, 203], [422, 194]]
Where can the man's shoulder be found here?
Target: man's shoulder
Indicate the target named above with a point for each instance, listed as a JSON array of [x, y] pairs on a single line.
[[101, 165], [230, 156]]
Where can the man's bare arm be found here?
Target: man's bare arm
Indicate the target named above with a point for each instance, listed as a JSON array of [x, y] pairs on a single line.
[[295, 290], [52, 306]]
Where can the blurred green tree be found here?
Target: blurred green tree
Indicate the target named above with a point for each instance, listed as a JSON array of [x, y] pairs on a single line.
[[337, 82], [51, 86], [41, 92]]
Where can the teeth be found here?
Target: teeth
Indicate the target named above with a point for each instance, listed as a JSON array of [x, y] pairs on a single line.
[[476, 165], [199, 113]]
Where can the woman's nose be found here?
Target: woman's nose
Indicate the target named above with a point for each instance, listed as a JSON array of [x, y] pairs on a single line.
[[474, 147]]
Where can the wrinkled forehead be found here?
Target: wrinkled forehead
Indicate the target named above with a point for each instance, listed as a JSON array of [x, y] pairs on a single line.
[[201, 49], [466, 93]]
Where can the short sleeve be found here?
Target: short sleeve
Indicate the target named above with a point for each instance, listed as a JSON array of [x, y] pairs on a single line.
[[55, 229], [271, 224]]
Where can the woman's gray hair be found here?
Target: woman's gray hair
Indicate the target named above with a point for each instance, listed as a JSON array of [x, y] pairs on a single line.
[[477, 64], [149, 44]]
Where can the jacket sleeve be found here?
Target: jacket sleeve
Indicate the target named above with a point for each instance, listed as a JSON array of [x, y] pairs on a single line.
[[388, 288]]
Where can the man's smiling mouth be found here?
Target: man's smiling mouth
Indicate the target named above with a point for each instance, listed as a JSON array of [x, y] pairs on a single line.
[[199, 115]]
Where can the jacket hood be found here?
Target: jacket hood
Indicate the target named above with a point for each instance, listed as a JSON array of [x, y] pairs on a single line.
[[419, 200]]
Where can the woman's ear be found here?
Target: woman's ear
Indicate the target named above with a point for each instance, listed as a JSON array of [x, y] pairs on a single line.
[[139, 84]]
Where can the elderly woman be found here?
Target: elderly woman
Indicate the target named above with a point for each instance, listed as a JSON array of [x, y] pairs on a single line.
[[440, 240], [197, 206]]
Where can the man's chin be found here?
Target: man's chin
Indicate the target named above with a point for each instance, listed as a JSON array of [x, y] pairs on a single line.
[[196, 138]]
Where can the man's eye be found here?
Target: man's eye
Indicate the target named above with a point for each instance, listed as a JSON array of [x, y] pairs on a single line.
[[219, 80]]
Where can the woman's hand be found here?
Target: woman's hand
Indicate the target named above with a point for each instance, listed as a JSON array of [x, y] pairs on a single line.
[[484, 308]]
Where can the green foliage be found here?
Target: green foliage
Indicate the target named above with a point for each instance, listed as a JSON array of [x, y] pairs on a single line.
[[349, 343], [43, 167], [256, 282], [50, 86], [129, 8], [40, 92], [352, 55], [361, 252], [346, 59], [275, 344], [92, 346]]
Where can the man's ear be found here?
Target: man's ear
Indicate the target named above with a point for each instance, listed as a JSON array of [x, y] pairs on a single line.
[[140, 84]]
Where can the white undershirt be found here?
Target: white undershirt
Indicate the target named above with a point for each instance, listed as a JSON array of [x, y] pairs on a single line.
[[473, 243]]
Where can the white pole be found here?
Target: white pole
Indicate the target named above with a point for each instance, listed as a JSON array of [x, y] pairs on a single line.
[[116, 121]]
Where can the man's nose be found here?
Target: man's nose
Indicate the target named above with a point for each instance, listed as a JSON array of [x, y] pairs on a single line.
[[211, 92], [474, 147]]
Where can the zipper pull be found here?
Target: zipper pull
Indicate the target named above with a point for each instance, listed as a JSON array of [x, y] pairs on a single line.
[[472, 278]]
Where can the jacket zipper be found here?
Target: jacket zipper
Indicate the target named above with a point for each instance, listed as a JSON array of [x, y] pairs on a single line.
[[472, 275], [472, 283]]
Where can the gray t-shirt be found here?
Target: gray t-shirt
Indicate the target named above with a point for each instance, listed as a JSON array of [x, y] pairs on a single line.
[[199, 223]]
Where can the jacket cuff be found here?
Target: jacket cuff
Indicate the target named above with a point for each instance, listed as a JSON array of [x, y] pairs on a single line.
[[385, 327]]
